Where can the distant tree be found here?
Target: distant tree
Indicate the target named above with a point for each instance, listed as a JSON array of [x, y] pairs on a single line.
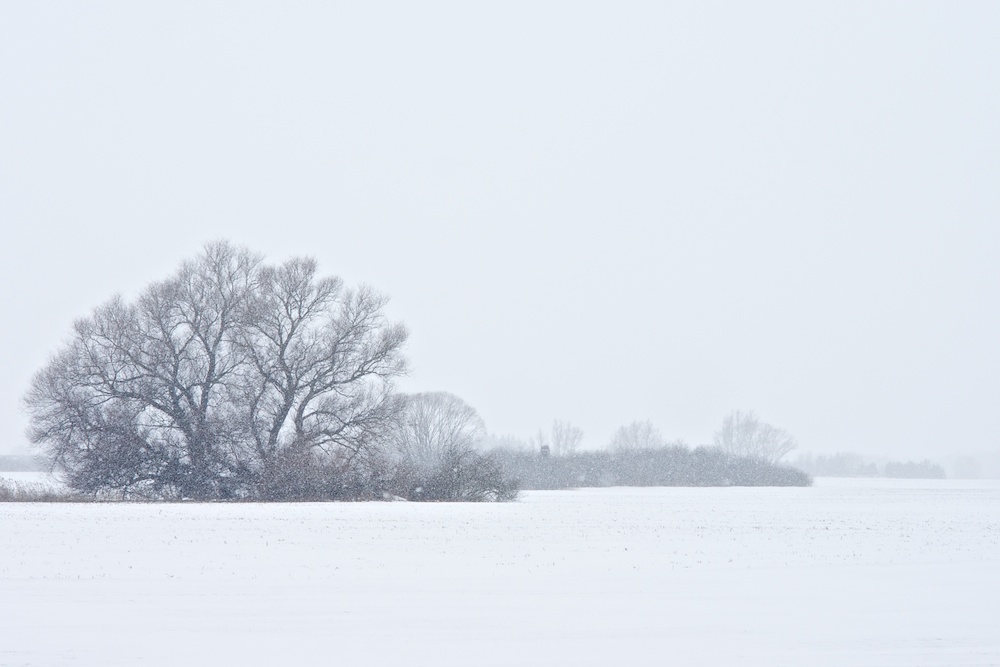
[[743, 434], [638, 435], [565, 438], [436, 446], [215, 380], [493, 441]]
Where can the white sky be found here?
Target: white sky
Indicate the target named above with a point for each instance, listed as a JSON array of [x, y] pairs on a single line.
[[593, 212]]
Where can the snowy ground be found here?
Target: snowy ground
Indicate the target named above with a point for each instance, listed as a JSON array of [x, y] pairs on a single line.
[[849, 572]]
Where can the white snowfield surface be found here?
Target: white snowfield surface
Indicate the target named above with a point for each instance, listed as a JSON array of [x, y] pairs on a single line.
[[848, 572]]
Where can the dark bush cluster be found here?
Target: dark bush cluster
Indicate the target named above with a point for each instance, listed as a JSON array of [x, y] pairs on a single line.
[[464, 477], [667, 466]]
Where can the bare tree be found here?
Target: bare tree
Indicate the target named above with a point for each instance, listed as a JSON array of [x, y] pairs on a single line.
[[436, 447], [743, 434], [565, 438], [198, 386], [320, 363], [638, 435], [435, 425]]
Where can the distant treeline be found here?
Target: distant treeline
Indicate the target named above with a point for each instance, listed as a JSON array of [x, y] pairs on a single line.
[[668, 466], [913, 470], [849, 464]]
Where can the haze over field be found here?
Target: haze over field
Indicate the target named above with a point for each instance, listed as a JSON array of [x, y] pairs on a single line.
[[596, 214]]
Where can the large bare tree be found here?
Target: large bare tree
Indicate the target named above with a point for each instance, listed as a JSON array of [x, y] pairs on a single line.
[[212, 376]]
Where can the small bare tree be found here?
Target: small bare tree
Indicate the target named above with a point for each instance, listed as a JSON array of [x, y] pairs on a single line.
[[637, 436], [743, 434], [436, 425], [436, 447]]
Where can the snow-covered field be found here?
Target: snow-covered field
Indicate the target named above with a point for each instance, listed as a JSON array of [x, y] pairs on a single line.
[[849, 572]]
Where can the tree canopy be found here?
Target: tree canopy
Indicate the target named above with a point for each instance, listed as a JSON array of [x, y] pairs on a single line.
[[209, 379]]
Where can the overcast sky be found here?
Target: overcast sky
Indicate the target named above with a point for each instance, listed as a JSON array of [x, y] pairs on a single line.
[[597, 212]]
